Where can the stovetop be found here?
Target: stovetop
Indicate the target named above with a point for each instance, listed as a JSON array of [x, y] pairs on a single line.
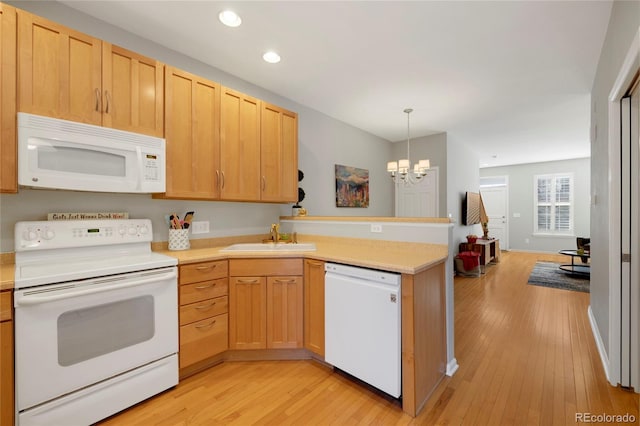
[[50, 252]]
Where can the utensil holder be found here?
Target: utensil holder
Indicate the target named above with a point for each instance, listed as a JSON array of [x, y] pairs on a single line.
[[179, 239]]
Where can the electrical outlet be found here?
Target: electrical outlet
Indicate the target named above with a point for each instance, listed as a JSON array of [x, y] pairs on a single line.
[[526, 241], [200, 227], [376, 227]]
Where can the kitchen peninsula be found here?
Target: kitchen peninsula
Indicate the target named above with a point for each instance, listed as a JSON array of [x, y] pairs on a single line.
[[423, 319]]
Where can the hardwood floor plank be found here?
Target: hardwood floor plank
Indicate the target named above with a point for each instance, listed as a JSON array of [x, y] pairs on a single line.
[[526, 354]]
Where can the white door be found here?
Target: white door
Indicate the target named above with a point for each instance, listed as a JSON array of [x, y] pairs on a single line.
[[419, 200], [630, 240], [495, 200]]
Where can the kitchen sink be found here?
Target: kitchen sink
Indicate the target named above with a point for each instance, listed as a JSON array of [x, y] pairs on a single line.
[[270, 247]]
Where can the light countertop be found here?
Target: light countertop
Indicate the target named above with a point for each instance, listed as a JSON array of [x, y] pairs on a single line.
[[407, 258], [393, 256]]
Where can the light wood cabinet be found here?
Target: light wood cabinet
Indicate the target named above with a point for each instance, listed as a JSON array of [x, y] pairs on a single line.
[[247, 326], [66, 74], [284, 312], [59, 71], [192, 131], [239, 146], [266, 302], [314, 306], [279, 154], [8, 133], [133, 91], [6, 359], [203, 311]]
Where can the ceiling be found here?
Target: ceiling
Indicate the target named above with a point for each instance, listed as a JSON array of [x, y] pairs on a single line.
[[509, 79]]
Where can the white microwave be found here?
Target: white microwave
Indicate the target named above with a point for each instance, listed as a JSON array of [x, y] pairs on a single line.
[[61, 154]]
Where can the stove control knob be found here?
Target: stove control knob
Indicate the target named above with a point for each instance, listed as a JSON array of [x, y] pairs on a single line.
[[122, 230], [144, 230], [29, 234], [132, 230], [48, 234]]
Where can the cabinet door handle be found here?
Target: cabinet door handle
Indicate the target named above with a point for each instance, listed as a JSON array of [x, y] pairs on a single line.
[[203, 307], [108, 97], [248, 281], [218, 178], [97, 99], [205, 268], [201, 326], [286, 281], [202, 287], [222, 185], [264, 183]]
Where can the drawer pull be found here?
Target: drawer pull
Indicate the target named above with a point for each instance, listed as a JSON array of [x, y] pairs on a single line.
[[205, 268], [206, 325], [203, 307], [203, 287], [286, 281], [315, 263], [248, 281]]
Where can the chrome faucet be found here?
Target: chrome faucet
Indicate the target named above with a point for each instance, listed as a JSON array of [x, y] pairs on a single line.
[[275, 232]]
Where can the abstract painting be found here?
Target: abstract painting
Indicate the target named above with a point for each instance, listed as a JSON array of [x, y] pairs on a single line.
[[352, 187]]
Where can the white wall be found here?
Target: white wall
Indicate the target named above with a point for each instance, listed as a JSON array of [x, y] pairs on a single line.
[[433, 148], [323, 142], [521, 200], [463, 174], [623, 25]]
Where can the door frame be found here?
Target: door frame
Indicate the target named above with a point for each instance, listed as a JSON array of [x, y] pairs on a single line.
[[622, 84]]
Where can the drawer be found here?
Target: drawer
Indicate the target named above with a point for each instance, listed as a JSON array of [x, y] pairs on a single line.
[[203, 339], [191, 293], [203, 271], [6, 306], [205, 309], [264, 267]]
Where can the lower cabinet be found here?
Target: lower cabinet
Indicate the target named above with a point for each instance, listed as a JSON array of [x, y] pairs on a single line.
[[204, 307], [314, 306], [6, 359], [265, 303]]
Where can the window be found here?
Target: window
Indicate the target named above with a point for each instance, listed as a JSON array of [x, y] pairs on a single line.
[[553, 204]]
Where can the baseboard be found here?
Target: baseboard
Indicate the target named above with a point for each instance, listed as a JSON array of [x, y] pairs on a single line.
[[452, 367], [599, 343]]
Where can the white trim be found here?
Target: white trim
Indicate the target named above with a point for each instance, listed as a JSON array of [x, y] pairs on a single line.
[[452, 367], [627, 72], [599, 344]]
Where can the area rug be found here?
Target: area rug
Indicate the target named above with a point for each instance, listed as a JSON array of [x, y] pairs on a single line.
[[548, 274]]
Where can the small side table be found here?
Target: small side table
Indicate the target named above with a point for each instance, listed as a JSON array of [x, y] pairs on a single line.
[[577, 269], [489, 250]]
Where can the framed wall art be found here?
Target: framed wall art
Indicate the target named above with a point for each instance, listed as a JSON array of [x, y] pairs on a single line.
[[352, 186]]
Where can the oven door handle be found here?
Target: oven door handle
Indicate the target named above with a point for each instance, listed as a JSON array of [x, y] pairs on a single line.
[[45, 297]]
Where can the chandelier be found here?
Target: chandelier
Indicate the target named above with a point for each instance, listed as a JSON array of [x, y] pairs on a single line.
[[401, 171]]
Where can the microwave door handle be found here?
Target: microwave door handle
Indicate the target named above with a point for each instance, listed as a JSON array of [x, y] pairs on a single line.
[[140, 167], [32, 299]]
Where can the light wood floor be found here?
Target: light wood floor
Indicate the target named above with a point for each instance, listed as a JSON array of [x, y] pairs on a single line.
[[526, 354]]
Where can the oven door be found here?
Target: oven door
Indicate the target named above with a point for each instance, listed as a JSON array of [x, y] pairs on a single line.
[[74, 334]]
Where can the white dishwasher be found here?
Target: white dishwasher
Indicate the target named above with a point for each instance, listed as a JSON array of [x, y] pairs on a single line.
[[362, 325]]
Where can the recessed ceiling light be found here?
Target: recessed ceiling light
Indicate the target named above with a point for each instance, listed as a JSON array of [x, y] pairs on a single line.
[[271, 57], [230, 18]]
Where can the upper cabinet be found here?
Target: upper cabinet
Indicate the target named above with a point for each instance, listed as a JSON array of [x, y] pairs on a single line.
[[70, 75], [279, 154], [133, 91], [239, 146], [192, 131], [8, 141]]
